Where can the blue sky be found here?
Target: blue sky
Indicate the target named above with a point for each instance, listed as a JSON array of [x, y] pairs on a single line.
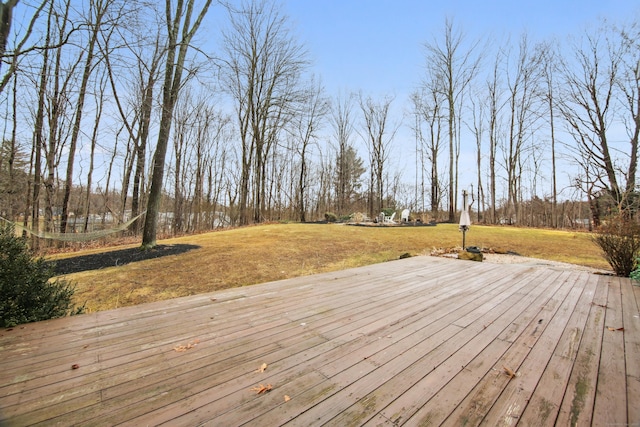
[[377, 45]]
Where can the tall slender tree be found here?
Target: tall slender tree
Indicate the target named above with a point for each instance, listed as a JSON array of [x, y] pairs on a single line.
[[343, 127], [590, 102], [180, 32], [261, 72], [98, 10], [428, 104], [307, 124], [378, 134], [454, 65]]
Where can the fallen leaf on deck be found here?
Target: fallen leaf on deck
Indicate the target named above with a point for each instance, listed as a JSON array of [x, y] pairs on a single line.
[[189, 346], [509, 372], [615, 329], [286, 398], [262, 389], [75, 366], [262, 368]]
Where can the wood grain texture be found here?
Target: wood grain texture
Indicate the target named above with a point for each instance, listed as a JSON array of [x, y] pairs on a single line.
[[418, 341]]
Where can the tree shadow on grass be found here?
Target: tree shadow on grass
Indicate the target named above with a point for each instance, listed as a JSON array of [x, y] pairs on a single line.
[[116, 258]]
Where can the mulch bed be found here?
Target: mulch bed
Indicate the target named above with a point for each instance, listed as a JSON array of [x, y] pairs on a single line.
[[116, 258]]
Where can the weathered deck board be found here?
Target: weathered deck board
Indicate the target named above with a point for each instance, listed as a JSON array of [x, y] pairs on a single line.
[[420, 341], [630, 304], [544, 404]]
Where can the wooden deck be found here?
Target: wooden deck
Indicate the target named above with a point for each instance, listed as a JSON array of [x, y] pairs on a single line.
[[419, 341]]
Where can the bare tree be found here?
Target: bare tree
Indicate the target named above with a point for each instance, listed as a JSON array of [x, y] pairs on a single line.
[[494, 107], [180, 32], [378, 134], [477, 128], [57, 82], [98, 14], [454, 66], [100, 96], [135, 106], [14, 53], [307, 123], [589, 104], [523, 82], [38, 132], [343, 127], [549, 70], [261, 73], [211, 162], [428, 105], [629, 84]]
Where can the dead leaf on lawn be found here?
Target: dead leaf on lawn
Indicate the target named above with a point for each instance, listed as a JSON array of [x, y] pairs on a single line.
[[509, 372], [262, 368], [262, 389], [286, 398]]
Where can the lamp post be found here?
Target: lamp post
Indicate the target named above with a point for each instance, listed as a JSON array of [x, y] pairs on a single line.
[[465, 219]]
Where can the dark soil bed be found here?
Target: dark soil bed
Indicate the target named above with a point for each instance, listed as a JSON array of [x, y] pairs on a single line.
[[116, 258]]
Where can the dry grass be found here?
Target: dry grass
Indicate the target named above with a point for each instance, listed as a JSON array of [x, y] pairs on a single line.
[[250, 255]]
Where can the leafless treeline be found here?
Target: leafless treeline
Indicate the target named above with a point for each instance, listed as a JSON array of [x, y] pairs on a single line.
[[115, 107]]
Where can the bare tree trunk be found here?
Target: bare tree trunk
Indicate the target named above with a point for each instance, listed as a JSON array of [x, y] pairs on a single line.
[[56, 114], [379, 139], [6, 20], [38, 134], [495, 106], [94, 141], [454, 70], [342, 122], [262, 68], [100, 11], [138, 128], [591, 85], [314, 108], [550, 100], [171, 89]]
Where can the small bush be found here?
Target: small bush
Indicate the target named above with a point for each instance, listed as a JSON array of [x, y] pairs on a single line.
[[635, 274], [619, 239], [26, 293], [330, 217]]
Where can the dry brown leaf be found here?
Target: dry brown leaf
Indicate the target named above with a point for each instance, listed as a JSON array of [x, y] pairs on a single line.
[[262, 388], [189, 346], [286, 398], [509, 371], [615, 329], [262, 368]]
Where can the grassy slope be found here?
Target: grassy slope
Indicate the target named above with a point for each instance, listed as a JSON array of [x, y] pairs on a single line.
[[250, 255]]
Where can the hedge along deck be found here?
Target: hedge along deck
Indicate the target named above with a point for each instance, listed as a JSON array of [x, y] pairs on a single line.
[[421, 340]]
